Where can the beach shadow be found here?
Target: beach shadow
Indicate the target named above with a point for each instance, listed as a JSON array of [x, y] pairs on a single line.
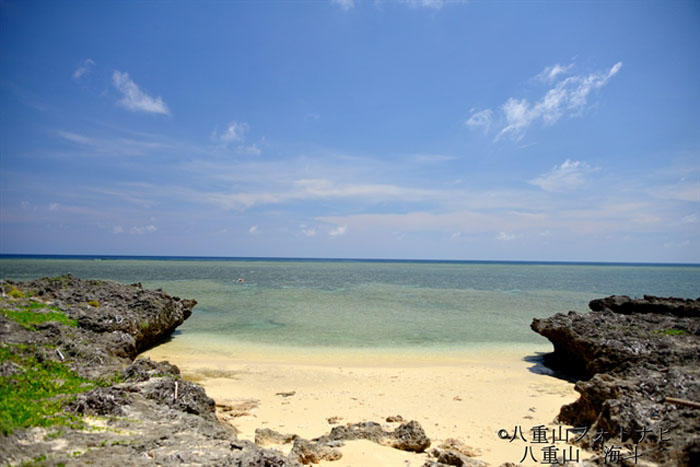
[[540, 367], [165, 339]]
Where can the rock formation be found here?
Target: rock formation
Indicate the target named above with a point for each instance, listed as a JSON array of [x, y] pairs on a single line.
[[137, 412], [637, 362]]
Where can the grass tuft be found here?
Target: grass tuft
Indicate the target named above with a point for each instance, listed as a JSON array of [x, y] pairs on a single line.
[[672, 332], [35, 313], [15, 292], [36, 393]]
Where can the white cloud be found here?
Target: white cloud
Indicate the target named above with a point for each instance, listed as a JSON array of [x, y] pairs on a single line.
[[481, 119], [253, 229], [432, 158], [547, 221], [344, 4], [251, 149], [690, 219], [83, 69], [430, 4], [235, 131], [568, 97], [680, 244], [505, 236], [74, 137], [568, 175], [134, 99], [310, 189], [322, 188], [434, 4], [682, 191], [140, 230], [310, 232], [117, 229], [118, 146], [550, 73], [644, 218], [54, 206], [338, 231]]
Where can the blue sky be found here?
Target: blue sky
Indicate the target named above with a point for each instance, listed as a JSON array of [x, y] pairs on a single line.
[[363, 129]]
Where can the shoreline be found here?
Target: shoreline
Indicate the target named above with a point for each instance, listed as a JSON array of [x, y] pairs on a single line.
[[465, 394], [193, 345]]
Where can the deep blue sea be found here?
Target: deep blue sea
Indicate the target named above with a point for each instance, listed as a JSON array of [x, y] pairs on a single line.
[[369, 304]]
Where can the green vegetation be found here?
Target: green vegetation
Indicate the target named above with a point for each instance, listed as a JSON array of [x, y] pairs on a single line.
[[36, 393], [34, 313], [116, 378], [54, 435], [672, 332], [94, 303], [37, 461], [15, 292], [145, 325]]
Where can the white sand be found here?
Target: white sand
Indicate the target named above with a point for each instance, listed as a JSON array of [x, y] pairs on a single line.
[[469, 396]]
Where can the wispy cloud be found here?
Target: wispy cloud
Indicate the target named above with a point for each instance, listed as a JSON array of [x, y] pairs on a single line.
[[481, 119], [253, 229], [145, 229], [75, 137], [308, 232], [599, 218], [505, 236], [434, 4], [568, 97], [551, 73], [432, 158], [681, 244], [234, 132], [690, 219], [114, 146], [250, 149], [317, 189], [338, 231], [83, 69], [568, 175], [428, 4], [681, 191], [344, 4], [134, 99]]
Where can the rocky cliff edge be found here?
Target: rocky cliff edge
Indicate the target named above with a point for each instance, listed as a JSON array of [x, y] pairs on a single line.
[[637, 366]]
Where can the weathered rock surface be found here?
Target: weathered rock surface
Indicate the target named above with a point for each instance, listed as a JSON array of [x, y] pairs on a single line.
[[453, 452], [629, 355], [150, 415], [407, 436], [311, 452], [265, 436]]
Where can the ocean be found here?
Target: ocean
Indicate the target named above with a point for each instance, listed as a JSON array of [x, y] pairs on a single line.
[[372, 304]]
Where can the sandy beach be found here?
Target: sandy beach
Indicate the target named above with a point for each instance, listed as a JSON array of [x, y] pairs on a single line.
[[467, 395]]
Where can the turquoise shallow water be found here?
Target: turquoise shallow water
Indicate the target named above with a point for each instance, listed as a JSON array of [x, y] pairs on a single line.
[[370, 304]]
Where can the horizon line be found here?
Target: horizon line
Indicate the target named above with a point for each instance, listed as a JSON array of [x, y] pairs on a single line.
[[341, 259]]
